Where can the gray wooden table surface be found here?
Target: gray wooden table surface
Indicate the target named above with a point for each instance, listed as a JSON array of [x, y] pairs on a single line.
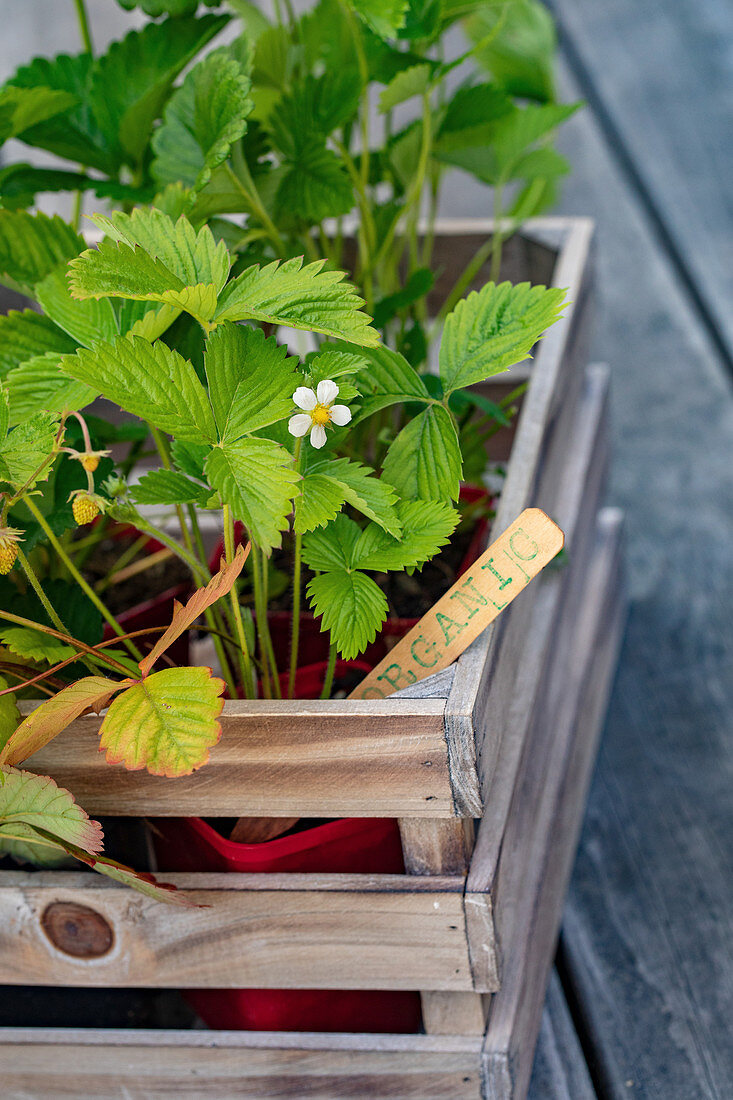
[[642, 1002]]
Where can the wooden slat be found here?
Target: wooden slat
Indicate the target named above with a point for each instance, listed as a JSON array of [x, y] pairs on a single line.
[[445, 847], [551, 800], [523, 665], [272, 931], [560, 1071], [351, 758], [150, 1065], [475, 716]]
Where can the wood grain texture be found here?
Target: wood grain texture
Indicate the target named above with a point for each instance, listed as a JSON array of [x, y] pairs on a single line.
[[647, 948], [560, 1071], [523, 667], [150, 1065], [550, 804], [476, 712], [280, 759], [272, 931]]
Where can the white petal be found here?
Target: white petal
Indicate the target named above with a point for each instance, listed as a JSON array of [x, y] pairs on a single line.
[[340, 414], [318, 436], [299, 424], [327, 391], [305, 398]]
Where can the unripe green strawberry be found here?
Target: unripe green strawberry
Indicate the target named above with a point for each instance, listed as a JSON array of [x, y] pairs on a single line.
[[8, 554], [85, 508], [9, 539]]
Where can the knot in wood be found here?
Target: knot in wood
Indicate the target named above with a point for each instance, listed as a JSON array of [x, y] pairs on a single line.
[[77, 930]]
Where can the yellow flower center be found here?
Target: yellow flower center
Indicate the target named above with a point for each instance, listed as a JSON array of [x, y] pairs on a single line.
[[321, 414]]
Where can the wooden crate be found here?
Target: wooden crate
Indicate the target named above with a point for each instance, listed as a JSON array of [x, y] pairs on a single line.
[[504, 738]]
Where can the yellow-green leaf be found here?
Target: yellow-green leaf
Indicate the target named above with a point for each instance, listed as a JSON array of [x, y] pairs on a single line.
[[166, 723]]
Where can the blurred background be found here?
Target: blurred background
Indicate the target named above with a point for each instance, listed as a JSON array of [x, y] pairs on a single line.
[[645, 966]]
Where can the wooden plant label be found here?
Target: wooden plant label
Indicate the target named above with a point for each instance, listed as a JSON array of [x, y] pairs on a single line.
[[474, 601]]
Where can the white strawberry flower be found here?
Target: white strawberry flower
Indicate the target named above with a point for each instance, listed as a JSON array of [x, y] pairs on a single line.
[[319, 410]]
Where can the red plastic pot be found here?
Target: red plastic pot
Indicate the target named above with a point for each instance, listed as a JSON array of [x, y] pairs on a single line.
[[356, 845], [347, 845]]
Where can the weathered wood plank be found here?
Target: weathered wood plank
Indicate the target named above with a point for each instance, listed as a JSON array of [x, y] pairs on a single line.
[[476, 707], [383, 758], [270, 931], [643, 941], [524, 663], [150, 1065], [550, 803], [439, 848], [560, 1071]]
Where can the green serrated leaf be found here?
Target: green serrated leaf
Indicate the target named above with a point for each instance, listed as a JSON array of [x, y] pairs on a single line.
[[176, 265], [21, 108], [192, 256], [251, 379], [150, 381], [32, 245], [314, 185], [4, 412], [427, 525], [320, 500], [494, 328], [314, 108], [39, 383], [388, 379], [384, 17], [30, 802], [202, 121], [189, 457], [424, 461], [302, 297], [331, 362], [517, 132], [20, 183], [85, 322], [332, 548], [406, 84], [27, 334], [74, 134], [25, 448], [256, 478], [518, 46], [131, 82], [34, 645], [169, 487], [166, 724], [352, 608], [356, 485]]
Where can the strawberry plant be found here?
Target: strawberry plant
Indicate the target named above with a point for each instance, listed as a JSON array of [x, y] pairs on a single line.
[[343, 461]]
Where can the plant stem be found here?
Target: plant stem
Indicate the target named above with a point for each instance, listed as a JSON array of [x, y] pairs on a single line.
[[63, 636], [498, 236], [295, 635], [268, 637], [243, 181], [46, 603], [85, 587], [330, 670], [246, 664], [83, 18], [297, 560]]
